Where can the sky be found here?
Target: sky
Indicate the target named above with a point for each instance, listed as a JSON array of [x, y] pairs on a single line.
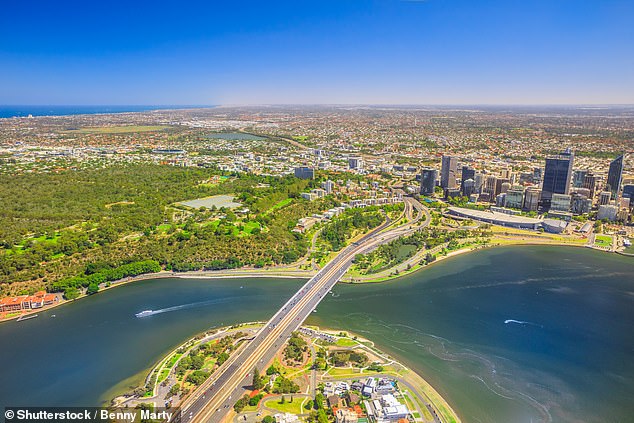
[[316, 52]]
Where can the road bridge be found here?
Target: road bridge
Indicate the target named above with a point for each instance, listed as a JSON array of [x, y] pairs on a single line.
[[212, 401]]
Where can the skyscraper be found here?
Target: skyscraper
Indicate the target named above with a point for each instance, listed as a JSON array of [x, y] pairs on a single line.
[[614, 176], [428, 178], [448, 172], [467, 173], [557, 176]]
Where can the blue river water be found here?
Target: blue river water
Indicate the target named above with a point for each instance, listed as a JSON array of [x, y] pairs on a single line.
[[514, 334]]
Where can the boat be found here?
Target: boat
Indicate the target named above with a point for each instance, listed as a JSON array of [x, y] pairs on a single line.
[[144, 313], [26, 317]]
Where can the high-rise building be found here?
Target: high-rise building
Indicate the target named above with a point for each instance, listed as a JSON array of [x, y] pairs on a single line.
[[607, 211], [628, 192], [531, 198], [355, 162], [580, 204], [615, 174], [560, 202], [479, 181], [514, 197], [604, 198], [506, 173], [448, 172], [557, 176], [428, 178], [591, 182], [468, 187], [304, 172], [578, 178], [500, 185], [467, 173], [490, 184], [328, 186]]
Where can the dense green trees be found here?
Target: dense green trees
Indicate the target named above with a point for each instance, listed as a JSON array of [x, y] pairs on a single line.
[[54, 227], [241, 403], [342, 358], [295, 347], [341, 228], [285, 386], [107, 274], [197, 377], [397, 251]]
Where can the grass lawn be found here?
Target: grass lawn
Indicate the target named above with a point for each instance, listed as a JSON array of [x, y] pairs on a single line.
[[280, 204], [346, 342], [163, 375], [173, 360], [294, 407], [117, 129], [604, 241], [250, 226], [346, 372]]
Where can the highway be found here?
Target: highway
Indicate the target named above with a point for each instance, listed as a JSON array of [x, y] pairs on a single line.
[[215, 397]]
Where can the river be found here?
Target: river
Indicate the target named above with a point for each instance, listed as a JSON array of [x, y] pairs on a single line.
[[518, 334]]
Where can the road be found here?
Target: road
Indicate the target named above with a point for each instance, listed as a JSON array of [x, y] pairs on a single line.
[[215, 397]]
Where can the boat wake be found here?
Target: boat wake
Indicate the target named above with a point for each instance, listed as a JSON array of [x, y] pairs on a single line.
[[522, 322], [148, 313]]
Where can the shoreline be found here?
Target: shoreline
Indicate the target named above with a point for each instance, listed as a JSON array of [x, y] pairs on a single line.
[[458, 252], [425, 389], [265, 273]]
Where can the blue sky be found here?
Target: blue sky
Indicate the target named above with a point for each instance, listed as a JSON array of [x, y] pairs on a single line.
[[344, 51]]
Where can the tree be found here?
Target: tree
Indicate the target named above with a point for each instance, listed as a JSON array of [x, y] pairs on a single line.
[[93, 288], [71, 293], [197, 377], [258, 381], [241, 403], [271, 370]]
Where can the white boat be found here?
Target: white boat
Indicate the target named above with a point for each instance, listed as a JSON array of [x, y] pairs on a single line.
[[144, 313]]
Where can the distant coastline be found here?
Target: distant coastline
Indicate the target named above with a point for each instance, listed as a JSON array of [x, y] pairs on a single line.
[[20, 111]]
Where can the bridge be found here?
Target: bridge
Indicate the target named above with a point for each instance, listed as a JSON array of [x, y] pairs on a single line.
[[213, 400]]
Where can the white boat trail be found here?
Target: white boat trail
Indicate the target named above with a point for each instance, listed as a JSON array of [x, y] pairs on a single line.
[[522, 322]]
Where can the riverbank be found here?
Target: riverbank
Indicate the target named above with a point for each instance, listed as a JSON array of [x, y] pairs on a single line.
[[412, 265], [163, 385], [503, 237], [210, 274]]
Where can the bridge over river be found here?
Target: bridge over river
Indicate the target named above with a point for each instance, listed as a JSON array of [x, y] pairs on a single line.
[[213, 400]]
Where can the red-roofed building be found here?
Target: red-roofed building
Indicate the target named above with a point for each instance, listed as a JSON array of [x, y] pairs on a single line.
[[11, 304], [50, 299], [35, 301]]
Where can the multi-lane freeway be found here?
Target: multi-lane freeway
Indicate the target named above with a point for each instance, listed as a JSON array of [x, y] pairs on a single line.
[[215, 397]]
